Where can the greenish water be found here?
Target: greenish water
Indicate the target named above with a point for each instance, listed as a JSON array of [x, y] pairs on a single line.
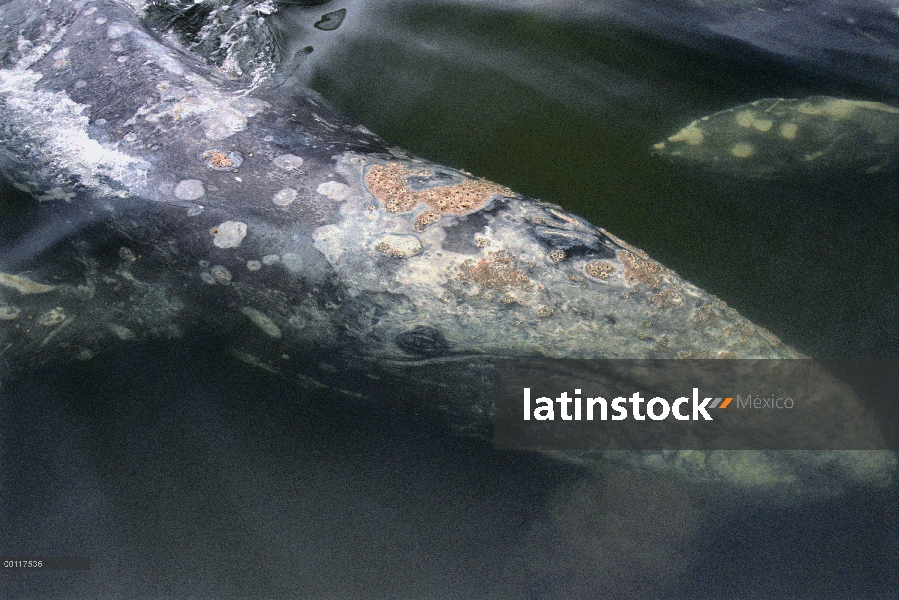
[[565, 110]]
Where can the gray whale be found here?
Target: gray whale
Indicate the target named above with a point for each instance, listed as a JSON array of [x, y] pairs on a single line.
[[774, 136], [173, 202]]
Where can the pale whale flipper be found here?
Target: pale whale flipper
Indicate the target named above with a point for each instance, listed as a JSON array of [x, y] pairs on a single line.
[[778, 136]]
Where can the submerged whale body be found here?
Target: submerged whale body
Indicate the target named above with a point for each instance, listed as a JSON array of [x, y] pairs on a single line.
[[182, 202], [777, 136]]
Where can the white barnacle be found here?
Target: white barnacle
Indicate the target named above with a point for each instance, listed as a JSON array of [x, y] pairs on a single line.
[[788, 131], [334, 190], [285, 197], [742, 150], [229, 234], [397, 246], [287, 161], [223, 122], [293, 262], [189, 189]]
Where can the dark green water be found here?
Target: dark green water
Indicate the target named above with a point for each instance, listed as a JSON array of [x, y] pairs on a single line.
[[565, 110], [183, 475]]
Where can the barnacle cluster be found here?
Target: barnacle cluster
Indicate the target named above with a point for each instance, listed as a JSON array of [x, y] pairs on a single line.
[[389, 183]]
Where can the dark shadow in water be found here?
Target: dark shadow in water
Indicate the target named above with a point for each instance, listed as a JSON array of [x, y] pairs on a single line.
[[184, 474], [180, 473], [842, 548]]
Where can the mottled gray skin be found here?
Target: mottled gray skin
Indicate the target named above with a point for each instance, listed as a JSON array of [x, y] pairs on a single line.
[[174, 203]]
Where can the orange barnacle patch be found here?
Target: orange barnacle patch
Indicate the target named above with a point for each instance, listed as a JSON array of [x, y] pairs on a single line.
[[464, 197], [497, 271], [424, 219], [389, 184], [219, 159], [556, 255], [642, 270], [599, 269]]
